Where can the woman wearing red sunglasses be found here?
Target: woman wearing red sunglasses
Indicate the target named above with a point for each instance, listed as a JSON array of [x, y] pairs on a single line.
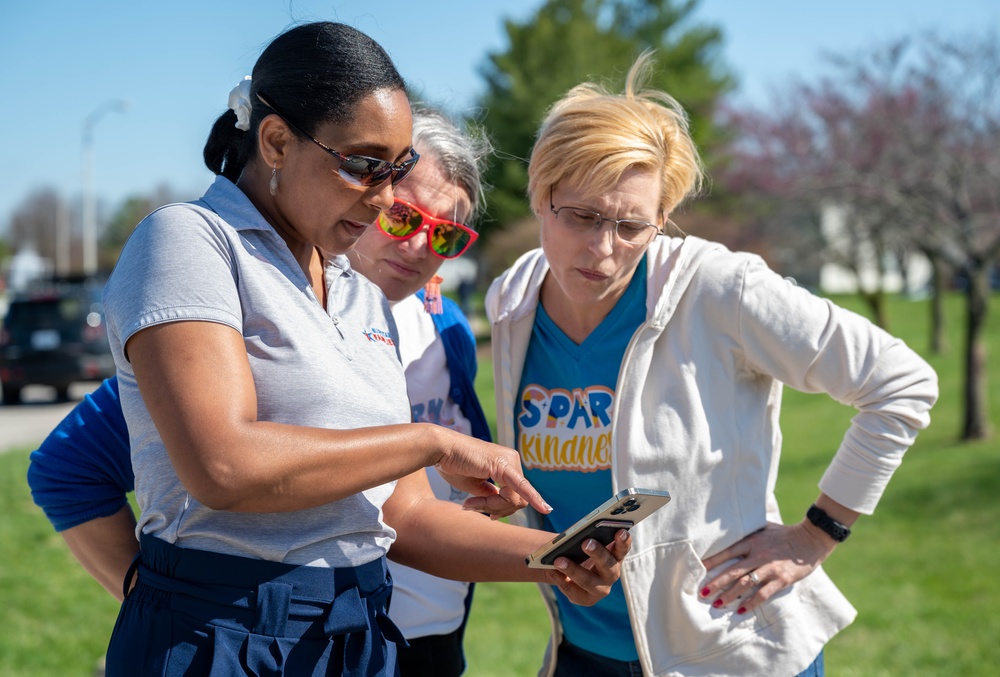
[[267, 412], [401, 254]]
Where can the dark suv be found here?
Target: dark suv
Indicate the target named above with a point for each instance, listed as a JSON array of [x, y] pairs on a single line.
[[54, 336]]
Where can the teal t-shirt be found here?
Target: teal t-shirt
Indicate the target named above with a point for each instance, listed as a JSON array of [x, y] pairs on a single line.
[[563, 427]]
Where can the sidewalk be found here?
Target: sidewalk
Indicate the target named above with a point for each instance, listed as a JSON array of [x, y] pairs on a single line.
[[26, 425]]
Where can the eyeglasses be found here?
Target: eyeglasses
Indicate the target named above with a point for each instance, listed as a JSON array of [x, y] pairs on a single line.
[[629, 231], [446, 239], [357, 170]]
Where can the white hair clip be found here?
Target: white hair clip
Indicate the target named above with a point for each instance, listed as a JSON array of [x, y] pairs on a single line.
[[239, 103]]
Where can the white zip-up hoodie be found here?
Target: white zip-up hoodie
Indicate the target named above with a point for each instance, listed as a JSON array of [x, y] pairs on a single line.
[[696, 413]]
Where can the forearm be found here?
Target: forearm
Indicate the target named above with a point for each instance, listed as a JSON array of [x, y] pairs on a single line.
[[892, 408], [444, 540], [285, 468], [105, 547], [841, 513], [196, 383]]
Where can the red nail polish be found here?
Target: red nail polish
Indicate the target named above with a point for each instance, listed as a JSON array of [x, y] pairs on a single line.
[[741, 610], [705, 592], [717, 603]]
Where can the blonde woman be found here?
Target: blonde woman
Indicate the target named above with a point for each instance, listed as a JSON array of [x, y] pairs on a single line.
[[625, 357]]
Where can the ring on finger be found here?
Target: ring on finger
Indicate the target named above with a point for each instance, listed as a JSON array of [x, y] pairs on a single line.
[[754, 578]]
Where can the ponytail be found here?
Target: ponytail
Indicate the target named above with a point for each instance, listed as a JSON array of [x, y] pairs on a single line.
[[224, 154]]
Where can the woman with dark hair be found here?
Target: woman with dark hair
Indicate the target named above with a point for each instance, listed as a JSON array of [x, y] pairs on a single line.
[[81, 474], [266, 408]]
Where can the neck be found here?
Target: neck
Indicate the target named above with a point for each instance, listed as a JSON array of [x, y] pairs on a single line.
[[576, 320], [254, 185], [314, 272]]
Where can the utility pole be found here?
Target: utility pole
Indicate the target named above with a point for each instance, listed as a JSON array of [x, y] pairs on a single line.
[[63, 266], [87, 177]]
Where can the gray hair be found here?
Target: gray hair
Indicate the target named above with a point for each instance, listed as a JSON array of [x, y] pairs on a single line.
[[461, 154]]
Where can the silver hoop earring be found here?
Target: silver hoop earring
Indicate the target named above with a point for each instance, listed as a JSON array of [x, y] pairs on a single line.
[[273, 186]]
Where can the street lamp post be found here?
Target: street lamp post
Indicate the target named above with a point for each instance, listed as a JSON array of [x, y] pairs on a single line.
[[63, 265], [87, 176]]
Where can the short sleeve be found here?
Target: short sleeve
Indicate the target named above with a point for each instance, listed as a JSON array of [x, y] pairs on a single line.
[[178, 265]]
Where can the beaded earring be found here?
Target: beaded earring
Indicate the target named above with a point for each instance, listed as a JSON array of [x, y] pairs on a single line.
[[273, 186]]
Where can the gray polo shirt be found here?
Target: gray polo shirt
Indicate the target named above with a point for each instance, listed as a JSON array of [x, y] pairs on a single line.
[[218, 260]]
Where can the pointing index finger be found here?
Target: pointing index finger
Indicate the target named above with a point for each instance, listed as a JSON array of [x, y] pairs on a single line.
[[511, 477]]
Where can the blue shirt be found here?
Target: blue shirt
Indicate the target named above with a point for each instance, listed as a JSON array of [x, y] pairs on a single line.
[[563, 428], [82, 470]]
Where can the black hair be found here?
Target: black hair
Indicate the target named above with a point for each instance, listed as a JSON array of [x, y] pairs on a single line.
[[314, 73]]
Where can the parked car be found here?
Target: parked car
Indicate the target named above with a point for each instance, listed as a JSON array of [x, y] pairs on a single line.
[[54, 335]]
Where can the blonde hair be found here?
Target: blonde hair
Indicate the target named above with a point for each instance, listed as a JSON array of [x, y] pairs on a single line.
[[590, 137]]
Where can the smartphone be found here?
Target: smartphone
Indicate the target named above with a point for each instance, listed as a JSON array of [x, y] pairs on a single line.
[[622, 511]]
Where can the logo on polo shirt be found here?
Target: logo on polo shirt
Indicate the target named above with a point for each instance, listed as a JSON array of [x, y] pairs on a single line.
[[379, 336]]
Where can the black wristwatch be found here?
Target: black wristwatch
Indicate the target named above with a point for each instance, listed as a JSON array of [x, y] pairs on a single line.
[[837, 531]]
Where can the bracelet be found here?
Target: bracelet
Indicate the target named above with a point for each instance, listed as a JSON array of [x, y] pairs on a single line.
[[834, 529]]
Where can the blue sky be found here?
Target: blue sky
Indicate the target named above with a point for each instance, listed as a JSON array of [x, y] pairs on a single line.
[[176, 60]]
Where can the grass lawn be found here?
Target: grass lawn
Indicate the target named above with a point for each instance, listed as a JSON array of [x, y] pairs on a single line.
[[919, 572], [55, 619]]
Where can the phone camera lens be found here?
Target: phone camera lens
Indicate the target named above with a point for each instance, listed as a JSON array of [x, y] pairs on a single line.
[[630, 501], [618, 511], [632, 507]]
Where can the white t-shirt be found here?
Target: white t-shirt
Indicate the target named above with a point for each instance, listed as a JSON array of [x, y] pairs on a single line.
[[422, 604]]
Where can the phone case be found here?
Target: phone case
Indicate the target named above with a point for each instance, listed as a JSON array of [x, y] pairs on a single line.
[[623, 511]]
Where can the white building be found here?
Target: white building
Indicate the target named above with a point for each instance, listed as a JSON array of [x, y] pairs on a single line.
[[26, 266], [835, 278]]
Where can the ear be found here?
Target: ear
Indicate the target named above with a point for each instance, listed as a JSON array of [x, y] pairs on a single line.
[[274, 140]]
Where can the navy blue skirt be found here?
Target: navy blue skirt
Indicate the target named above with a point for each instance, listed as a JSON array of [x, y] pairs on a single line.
[[194, 612]]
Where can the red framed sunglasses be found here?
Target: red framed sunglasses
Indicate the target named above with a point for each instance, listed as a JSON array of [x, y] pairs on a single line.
[[446, 239]]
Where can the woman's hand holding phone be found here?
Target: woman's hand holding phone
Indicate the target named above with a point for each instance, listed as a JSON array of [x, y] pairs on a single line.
[[585, 560], [590, 582]]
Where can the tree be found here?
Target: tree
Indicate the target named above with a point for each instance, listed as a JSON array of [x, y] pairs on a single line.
[[905, 138], [42, 222], [126, 218], [33, 222], [570, 41], [954, 195]]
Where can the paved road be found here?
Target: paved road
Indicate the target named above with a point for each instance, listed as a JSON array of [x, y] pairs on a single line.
[[25, 425]]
